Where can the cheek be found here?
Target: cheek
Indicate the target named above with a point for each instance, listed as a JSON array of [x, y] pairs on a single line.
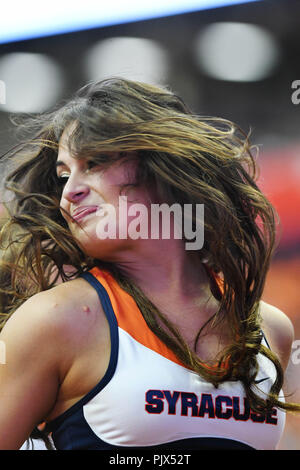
[[64, 211], [121, 220], [134, 216], [101, 240]]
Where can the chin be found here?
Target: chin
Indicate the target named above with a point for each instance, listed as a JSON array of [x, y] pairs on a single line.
[[105, 250]]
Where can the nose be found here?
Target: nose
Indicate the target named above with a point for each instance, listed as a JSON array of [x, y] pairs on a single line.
[[75, 192]]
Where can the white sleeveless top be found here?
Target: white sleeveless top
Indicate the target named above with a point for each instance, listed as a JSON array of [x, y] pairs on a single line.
[[148, 399]]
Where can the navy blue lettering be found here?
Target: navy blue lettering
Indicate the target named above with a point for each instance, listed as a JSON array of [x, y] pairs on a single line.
[[206, 406], [269, 418], [237, 412], [189, 400], [172, 400], [154, 401], [257, 417], [228, 402], [223, 407]]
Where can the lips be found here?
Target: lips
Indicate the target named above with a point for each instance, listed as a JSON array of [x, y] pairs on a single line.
[[83, 211]]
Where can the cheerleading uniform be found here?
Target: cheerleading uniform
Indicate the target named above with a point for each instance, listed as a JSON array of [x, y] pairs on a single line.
[[148, 399]]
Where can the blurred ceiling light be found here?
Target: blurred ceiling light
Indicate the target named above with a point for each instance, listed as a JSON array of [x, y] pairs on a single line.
[[236, 52], [33, 82], [127, 57]]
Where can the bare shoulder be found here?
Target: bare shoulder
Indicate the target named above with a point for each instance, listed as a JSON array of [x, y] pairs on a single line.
[[278, 330], [43, 340], [64, 303], [61, 317]]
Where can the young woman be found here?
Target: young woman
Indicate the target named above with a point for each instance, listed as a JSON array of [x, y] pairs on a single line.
[[118, 338]]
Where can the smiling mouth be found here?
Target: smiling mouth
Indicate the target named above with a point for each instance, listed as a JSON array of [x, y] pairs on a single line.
[[81, 213]]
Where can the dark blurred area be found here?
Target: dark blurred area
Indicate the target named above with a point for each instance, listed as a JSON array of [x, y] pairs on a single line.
[[239, 62]]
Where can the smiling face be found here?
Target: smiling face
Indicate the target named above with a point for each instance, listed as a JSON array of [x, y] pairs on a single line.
[[88, 191]]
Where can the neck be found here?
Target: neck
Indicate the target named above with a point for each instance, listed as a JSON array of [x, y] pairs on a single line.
[[166, 271]]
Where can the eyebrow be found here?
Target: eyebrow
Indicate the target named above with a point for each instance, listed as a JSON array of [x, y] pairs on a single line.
[[59, 163]]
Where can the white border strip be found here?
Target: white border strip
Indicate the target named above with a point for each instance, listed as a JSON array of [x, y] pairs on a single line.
[[28, 20]]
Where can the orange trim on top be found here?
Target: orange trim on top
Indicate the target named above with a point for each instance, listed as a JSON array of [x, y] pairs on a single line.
[[129, 316], [131, 320]]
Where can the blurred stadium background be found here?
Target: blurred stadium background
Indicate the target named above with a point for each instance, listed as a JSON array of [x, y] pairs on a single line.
[[238, 60]]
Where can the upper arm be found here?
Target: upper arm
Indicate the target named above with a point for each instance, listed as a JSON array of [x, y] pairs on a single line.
[[279, 331], [29, 376]]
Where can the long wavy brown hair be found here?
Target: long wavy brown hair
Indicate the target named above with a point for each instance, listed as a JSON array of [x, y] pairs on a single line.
[[187, 158]]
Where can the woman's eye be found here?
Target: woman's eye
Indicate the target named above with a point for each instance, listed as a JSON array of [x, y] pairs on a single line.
[[88, 166], [62, 179]]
